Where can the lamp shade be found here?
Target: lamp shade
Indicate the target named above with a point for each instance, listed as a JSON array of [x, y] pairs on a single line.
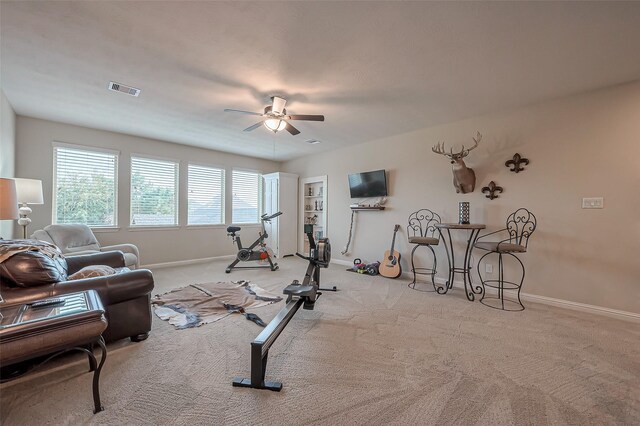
[[29, 191], [8, 199]]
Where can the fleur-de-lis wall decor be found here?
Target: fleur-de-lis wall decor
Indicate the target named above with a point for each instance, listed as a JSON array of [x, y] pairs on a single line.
[[516, 163], [491, 190]]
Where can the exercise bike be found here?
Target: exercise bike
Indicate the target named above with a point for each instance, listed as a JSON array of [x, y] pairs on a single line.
[[305, 295], [251, 253]]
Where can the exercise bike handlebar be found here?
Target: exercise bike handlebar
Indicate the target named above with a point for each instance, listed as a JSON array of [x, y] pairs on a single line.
[[268, 218]]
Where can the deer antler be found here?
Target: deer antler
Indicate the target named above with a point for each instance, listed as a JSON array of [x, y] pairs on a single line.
[[439, 149], [476, 141]]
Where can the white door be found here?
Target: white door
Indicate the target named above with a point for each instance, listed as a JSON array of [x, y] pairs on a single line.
[[270, 207]]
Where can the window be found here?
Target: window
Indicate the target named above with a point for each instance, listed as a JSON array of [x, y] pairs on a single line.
[[247, 196], [84, 186], [154, 192], [206, 195]]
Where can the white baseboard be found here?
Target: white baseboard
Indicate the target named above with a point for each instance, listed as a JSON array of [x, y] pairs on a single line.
[[583, 307], [534, 298], [187, 262], [342, 262], [560, 303]]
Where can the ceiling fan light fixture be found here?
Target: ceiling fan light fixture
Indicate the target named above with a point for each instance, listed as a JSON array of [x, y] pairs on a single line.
[[275, 124], [275, 117]]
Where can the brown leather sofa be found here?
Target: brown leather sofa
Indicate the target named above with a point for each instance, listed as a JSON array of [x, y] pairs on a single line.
[[126, 296]]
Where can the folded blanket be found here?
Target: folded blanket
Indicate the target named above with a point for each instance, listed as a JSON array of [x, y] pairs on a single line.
[[9, 248]]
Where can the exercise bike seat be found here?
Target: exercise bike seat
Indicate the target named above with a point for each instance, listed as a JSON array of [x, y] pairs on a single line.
[[232, 229], [300, 290]]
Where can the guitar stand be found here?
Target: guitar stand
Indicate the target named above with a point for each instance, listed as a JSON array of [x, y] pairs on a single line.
[[298, 295]]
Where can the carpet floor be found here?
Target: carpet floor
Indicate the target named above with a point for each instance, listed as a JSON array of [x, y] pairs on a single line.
[[374, 353]]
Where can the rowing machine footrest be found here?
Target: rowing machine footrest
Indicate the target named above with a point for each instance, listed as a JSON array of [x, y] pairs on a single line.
[[300, 290]]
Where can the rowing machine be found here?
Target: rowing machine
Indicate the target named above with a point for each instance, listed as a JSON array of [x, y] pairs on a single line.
[[298, 295]]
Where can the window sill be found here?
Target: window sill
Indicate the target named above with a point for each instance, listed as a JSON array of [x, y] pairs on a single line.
[[154, 228], [105, 229], [195, 227]]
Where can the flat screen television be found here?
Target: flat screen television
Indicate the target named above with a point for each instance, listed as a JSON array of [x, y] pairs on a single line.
[[368, 184]]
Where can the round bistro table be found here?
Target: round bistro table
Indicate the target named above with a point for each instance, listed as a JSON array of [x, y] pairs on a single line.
[[465, 270]]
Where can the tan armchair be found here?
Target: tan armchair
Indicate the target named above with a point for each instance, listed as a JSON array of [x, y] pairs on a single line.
[[76, 239]]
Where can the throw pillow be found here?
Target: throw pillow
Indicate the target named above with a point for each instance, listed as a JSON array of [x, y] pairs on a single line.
[[92, 271], [31, 269]]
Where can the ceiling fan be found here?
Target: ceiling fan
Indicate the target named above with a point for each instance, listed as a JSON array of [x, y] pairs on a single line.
[[275, 117]]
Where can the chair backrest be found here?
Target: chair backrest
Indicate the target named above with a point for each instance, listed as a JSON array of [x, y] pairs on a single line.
[[520, 225], [72, 237], [423, 224]]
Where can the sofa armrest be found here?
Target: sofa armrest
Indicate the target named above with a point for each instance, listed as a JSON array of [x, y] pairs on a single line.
[[115, 259], [111, 288], [125, 248], [15, 295], [80, 252]]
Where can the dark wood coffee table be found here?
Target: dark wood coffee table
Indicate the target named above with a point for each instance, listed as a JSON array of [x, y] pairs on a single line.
[[28, 332]]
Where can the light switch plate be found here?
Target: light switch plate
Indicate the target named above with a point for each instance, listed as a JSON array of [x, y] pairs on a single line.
[[593, 203]]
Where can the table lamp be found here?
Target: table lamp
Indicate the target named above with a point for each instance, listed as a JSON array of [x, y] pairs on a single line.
[[8, 199], [8, 204], [28, 191]]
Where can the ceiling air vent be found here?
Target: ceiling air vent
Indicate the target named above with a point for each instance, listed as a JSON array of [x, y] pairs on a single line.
[[312, 141], [117, 87]]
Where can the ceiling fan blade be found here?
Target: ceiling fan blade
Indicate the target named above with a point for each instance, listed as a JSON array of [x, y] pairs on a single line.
[[255, 126], [306, 117], [242, 112], [278, 105], [292, 129]]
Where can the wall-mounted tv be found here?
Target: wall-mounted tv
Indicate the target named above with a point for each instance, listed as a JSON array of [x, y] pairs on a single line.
[[368, 184]]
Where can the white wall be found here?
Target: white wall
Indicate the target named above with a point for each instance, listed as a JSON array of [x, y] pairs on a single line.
[[7, 152], [584, 146], [34, 159]]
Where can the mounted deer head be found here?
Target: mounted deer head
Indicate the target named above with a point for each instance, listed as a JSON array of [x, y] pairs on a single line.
[[464, 178]]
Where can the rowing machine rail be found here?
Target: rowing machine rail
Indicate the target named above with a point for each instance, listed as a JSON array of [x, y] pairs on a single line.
[[298, 295]]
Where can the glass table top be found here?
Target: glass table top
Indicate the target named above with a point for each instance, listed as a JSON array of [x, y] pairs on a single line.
[[13, 315]]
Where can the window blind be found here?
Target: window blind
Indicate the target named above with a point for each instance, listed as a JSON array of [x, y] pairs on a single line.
[[247, 194], [85, 187], [154, 192], [206, 195]]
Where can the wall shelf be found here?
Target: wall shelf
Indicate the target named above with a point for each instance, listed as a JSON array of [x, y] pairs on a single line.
[[363, 208], [313, 196]]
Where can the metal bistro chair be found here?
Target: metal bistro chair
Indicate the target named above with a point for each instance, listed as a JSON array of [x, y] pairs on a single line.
[[421, 231], [520, 226]]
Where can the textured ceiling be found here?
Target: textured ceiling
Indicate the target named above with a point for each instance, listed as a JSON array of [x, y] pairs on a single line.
[[373, 69]]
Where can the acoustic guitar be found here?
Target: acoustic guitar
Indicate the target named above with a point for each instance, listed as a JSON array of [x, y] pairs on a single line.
[[390, 265]]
